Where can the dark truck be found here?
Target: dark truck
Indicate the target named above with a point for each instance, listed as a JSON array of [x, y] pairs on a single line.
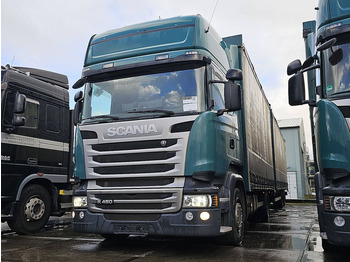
[[36, 147], [327, 45]]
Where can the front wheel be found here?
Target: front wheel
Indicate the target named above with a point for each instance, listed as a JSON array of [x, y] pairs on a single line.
[[32, 211], [235, 219]]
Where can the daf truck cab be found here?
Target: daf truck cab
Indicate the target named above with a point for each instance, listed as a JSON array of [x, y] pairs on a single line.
[[36, 148]]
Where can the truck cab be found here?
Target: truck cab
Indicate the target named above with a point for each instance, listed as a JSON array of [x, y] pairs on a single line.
[[327, 45], [35, 146], [161, 144]]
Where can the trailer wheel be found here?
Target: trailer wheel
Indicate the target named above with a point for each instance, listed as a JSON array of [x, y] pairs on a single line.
[[32, 211], [262, 215], [282, 202], [235, 218]]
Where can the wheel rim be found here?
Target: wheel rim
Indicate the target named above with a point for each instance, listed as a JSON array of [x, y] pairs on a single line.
[[34, 209], [239, 217]]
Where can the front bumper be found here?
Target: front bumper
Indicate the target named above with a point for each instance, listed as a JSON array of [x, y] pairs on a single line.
[[339, 236], [174, 224]]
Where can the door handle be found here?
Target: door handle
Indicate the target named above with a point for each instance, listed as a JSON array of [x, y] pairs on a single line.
[[232, 143]]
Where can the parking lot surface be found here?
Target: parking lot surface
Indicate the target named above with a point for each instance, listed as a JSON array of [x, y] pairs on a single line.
[[291, 235]]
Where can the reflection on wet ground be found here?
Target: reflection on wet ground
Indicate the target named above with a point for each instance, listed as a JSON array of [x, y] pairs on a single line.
[[291, 235]]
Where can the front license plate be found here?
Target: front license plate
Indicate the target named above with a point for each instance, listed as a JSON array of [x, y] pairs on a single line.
[[131, 229]]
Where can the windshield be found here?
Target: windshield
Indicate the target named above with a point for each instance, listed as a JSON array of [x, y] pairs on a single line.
[[160, 94], [336, 67]]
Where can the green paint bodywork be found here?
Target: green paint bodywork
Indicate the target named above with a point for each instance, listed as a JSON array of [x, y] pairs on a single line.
[[207, 148], [155, 37], [333, 140], [331, 11]]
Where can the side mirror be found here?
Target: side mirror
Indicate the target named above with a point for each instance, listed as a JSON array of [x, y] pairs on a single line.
[[78, 96], [327, 44], [233, 99], [296, 89], [294, 67], [309, 61], [79, 83], [234, 75], [20, 104], [18, 121], [336, 57], [77, 112]]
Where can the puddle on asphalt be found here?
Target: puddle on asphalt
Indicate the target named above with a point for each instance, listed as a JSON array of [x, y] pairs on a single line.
[[276, 228], [274, 241]]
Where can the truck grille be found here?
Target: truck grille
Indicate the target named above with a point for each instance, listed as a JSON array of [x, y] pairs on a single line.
[[134, 201], [136, 174], [122, 159], [133, 169], [134, 145]]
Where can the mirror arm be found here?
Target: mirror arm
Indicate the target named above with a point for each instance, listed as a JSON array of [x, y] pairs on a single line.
[[311, 103], [217, 82], [221, 112], [310, 68]]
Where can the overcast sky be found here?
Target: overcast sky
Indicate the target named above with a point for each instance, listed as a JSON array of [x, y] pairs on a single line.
[[53, 34]]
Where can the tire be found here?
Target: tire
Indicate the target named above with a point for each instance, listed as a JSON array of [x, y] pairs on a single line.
[[32, 211], [235, 218], [280, 203], [262, 215]]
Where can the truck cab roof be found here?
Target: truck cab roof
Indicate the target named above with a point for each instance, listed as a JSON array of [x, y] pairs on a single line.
[[155, 37]]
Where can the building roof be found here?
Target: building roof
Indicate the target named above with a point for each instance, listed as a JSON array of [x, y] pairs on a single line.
[[292, 122]]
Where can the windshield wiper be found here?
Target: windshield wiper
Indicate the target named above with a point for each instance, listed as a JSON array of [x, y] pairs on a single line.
[[340, 93], [166, 112], [102, 116]]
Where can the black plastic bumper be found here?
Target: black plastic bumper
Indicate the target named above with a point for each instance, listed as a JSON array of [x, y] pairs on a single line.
[[339, 236], [174, 224]]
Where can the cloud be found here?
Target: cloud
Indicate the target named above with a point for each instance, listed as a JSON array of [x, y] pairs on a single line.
[[53, 35]]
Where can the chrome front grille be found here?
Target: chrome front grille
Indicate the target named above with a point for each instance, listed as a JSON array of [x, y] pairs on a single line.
[[136, 173], [161, 157], [135, 201]]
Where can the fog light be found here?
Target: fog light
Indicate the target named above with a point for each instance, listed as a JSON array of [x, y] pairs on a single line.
[[339, 221], [73, 214], [204, 216], [81, 214], [189, 216]]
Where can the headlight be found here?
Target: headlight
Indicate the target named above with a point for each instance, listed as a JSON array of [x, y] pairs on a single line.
[[342, 204], [80, 201], [197, 201], [337, 203]]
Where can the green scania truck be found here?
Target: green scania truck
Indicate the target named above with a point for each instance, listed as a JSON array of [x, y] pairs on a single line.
[[327, 44], [174, 135]]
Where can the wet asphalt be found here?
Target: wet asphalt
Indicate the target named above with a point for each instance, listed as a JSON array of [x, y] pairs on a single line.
[[291, 235]]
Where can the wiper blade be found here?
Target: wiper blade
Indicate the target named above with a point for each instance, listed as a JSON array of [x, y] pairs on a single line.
[[340, 93], [101, 116], [166, 112]]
